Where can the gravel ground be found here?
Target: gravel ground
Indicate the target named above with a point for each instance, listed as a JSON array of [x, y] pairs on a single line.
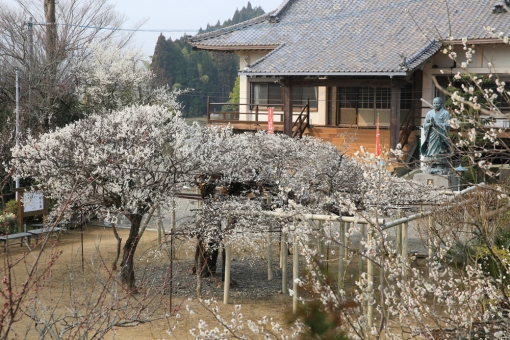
[[249, 280], [249, 277]]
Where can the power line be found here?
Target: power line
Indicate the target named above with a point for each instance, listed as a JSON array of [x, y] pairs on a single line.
[[153, 30], [342, 15]]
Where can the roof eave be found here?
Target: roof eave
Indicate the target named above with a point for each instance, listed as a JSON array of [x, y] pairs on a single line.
[[475, 41], [320, 74]]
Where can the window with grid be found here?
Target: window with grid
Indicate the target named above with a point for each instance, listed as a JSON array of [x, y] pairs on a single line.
[[366, 98], [300, 95], [383, 98], [406, 97], [348, 97], [267, 94]]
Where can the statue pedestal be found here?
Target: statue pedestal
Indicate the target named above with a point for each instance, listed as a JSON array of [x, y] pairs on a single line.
[[441, 181]]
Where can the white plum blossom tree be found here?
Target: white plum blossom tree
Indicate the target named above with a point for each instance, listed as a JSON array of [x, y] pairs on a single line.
[[112, 78], [125, 162]]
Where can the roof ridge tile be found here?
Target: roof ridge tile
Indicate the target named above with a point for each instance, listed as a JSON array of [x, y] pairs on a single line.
[[232, 28]]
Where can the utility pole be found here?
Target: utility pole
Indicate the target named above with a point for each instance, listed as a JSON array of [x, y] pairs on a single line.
[[51, 50], [30, 59], [17, 122]]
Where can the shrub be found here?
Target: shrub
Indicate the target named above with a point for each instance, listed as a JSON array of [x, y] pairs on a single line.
[[7, 223], [11, 207]]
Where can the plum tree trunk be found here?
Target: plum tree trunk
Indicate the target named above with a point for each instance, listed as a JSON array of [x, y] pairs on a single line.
[[127, 271], [206, 257]]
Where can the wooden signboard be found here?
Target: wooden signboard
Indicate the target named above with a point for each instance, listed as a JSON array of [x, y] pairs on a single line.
[[31, 203]]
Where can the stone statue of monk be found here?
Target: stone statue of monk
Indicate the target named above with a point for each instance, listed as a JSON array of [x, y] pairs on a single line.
[[436, 145]]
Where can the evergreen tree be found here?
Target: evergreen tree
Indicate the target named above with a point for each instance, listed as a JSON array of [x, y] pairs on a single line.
[[207, 74], [161, 62], [235, 18]]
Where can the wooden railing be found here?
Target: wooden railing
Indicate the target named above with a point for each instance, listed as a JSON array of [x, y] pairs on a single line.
[[407, 127], [302, 122], [228, 114]]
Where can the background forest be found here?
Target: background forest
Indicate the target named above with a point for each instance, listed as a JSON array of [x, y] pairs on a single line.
[[177, 64]]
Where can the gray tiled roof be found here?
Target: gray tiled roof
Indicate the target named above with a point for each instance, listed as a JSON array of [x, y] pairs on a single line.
[[355, 36]]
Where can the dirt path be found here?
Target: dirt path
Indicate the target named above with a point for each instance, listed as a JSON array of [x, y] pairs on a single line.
[[68, 286]]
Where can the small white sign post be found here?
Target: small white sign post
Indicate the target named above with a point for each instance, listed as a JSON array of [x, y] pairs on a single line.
[[31, 203]]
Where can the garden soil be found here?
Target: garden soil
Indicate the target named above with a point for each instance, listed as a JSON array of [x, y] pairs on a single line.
[[257, 298]]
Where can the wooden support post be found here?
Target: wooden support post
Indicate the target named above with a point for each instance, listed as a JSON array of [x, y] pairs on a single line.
[[370, 276], [395, 113], [295, 274], [285, 252], [226, 287], [341, 257], [288, 120]]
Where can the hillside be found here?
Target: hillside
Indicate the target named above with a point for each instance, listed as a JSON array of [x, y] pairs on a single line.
[[206, 74]]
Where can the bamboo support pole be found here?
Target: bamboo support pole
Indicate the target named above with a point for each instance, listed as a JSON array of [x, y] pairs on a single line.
[[269, 255], [159, 225], [360, 249], [174, 225], [295, 274], [269, 248], [308, 217], [431, 242], [341, 257], [430, 212], [370, 272], [281, 250], [320, 242], [226, 284], [405, 240], [398, 235], [285, 252]]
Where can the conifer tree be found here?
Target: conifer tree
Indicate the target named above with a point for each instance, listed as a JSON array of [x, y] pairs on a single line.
[[161, 63]]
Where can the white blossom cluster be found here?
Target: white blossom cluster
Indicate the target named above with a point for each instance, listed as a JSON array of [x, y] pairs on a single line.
[[127, 161], [110, 164], [236, 327], [113, 78], [477, 112]]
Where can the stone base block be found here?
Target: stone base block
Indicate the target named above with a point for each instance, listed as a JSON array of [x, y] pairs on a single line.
[[441, 181]]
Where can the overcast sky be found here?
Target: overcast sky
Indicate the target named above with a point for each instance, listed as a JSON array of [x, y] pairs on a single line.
[[183, 16], [180, 15]]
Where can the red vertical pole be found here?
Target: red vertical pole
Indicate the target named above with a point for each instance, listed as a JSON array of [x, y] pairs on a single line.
[[270, 120], [377, 137]]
